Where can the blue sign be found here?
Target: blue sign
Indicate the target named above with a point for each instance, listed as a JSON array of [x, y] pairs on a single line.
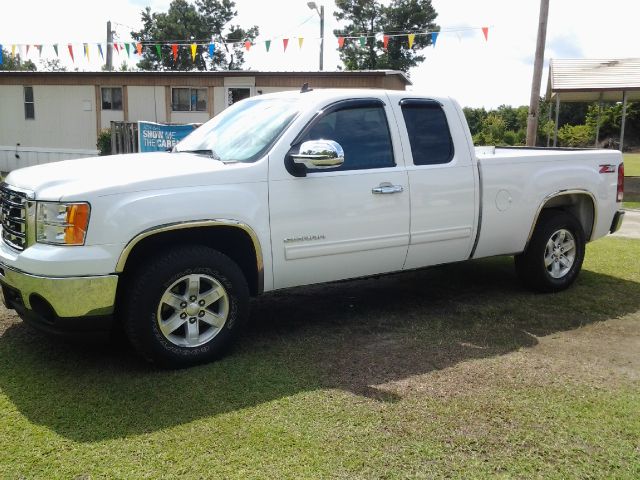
[[158, 137]]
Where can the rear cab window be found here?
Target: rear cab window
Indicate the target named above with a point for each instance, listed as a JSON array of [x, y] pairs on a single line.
[[428, 131]]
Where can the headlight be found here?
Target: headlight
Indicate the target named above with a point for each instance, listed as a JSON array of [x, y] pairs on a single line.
[[62, 223]]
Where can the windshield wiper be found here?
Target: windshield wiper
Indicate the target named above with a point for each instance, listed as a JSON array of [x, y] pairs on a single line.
[[204, 151]]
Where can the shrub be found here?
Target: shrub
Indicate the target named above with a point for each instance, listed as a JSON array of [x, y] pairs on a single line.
[[104, 142], [576, 135]]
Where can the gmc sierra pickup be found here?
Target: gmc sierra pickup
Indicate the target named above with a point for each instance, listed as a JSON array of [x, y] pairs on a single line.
[[283, 190]]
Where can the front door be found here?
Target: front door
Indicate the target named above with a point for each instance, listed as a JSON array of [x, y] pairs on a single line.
[[340, 223]]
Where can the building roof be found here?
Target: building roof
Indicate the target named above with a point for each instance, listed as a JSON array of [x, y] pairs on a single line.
[[351, 78], [585, 80]]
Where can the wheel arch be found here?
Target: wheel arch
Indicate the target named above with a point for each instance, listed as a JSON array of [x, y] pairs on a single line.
[[580, 203], [235, 239]]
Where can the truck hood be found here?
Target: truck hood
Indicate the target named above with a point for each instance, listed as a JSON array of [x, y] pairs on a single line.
[[76, 179]]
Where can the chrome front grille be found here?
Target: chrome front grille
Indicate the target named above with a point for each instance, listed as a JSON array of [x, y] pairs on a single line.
[[13, 216]]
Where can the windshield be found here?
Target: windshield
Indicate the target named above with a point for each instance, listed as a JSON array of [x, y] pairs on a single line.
[[243, 132]]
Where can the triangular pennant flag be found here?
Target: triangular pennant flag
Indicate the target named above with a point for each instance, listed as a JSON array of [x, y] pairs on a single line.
[[13, 51], [212, 49], [100, 50], [139, 48], [1, 54], [174, 49], [126, 47], [300, 41], [485, 30], [194, 47], [363, 41], [39, 47], [385, 41], [28, 49], [86, 51], [71, 52], [159, 51], [267, 44], [411, 37], [55, 47], [115, 45], [340, 42], [285, 42], [434, 38], [247, 45]]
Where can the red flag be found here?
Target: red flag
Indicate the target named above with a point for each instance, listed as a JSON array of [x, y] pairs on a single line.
[[174, 49], [139, 48], [115, 45], [247, 45], [285, 42], [485, 30], [385, 41], [71, 52], [340, 42]]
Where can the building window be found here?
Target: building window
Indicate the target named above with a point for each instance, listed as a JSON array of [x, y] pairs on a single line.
[[235, 94], [112, 98], [189, 99], [29, 107]]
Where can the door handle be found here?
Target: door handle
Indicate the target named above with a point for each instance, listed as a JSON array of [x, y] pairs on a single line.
[[386, 187]]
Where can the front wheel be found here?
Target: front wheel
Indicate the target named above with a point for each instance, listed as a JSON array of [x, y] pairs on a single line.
[[185, 307], [555, 253]]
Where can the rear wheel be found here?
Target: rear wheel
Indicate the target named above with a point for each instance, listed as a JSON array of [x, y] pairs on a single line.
[[555, 253], [186, 307]]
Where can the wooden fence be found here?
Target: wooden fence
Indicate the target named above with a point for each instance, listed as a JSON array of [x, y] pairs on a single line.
[[124, 137]]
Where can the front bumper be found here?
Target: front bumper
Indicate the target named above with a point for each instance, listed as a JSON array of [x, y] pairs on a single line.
[[51, 300], [617, 221]]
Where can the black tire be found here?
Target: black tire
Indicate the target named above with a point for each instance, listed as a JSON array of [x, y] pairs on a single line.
[[530, 265], [149, 284]]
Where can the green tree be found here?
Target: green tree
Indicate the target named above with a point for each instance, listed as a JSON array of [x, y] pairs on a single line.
[[15, 63], [365, 18], [52, 65], [186, 23]]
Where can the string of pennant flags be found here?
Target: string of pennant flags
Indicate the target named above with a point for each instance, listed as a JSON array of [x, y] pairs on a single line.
[[210, 47]]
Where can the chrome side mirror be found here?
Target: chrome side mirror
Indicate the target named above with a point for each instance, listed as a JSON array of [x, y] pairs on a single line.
[[319, 154]]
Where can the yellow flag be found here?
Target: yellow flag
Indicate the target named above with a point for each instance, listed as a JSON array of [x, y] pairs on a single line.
[[300, 40], [193, 51], [86, 51], [13, 51], [412, 37]]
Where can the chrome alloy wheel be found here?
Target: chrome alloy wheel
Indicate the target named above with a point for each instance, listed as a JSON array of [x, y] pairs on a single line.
[[193, 310], [560, 253]]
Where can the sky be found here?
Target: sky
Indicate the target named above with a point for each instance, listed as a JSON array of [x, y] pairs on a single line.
[[463, 65]]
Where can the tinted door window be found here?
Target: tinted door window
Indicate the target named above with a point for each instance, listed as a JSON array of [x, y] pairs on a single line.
[[363, 134], [428, 133]]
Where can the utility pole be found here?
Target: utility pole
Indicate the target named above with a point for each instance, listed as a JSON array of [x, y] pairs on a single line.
[[314, 6], [109, 47], [534, 104]]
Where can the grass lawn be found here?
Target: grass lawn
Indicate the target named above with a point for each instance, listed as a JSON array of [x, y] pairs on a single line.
[[454, 371], [631, 205], [632, 164]]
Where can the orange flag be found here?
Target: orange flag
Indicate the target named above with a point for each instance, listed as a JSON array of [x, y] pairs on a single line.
[[485, 31], [174, 49], [385, 41], [247, 45], [340, 42], [139, 48]]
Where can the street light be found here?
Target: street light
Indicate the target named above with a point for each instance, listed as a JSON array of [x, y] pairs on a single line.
[[314, 6]]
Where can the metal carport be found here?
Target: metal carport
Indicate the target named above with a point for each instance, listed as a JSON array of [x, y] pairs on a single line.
[[589, 80]]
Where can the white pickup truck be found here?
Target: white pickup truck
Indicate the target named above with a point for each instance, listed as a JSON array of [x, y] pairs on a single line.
[[284, 190]]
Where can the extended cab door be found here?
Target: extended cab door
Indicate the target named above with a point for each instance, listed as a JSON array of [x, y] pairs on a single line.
[[339, 223], [442, 180]]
